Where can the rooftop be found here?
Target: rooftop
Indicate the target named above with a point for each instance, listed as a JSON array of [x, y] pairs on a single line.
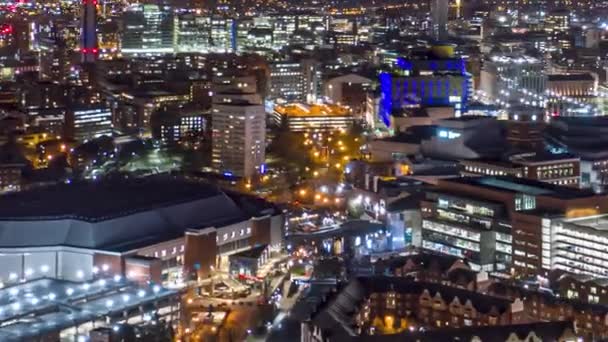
[[311, 110], [337, 316], [118, 215], [541, 157], [102, 200], [44, 305], [544, 331], [596, 222], [525, 186], [572, 77], [253, 253]]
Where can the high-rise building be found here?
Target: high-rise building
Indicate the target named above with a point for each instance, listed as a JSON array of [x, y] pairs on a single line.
[[239, 127], [88, 33], [439, 15], [501, 223], [54, 59], [223, 34], [287, 81], [283, 29], [191, 33], [148, 29], [513, 79]]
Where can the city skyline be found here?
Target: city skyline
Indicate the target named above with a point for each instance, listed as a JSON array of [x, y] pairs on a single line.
[[304, 170]]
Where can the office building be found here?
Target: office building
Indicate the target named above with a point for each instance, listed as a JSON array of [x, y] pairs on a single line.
[[54, 59], [223, 34], [192, 33], [557, 21], [301, 117], [475, 229], [175, 125], [513, 79], [576, 245], [583, 138], [287, 81], [559, 169], [88, 122], [238, 123], [148, 30], [579, 85], [517, 205], [432, 78], [563, 90]]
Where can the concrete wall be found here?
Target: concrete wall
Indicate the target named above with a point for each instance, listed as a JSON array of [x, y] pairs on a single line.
[[60, 262]]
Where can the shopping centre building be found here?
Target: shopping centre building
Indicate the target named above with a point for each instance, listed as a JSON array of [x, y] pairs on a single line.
[[160, 229]]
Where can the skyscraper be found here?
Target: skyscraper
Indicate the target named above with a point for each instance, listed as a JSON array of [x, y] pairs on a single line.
[[148, 30], [88, 33], [239, 127], [439, 16]]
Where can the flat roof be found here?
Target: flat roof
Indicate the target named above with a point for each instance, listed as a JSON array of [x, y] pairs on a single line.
[[312, 110], [572, 77], [541, 157], [596, 222], [46, 305], [525, 186]]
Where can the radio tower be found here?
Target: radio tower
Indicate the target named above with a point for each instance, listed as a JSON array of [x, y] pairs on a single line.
[[88, 33]]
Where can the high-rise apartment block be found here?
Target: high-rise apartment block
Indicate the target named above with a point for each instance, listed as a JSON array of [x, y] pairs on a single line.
[[239, 127]]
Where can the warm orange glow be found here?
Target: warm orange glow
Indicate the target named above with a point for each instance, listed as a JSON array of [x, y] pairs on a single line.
[[581, 212], [389, 321]]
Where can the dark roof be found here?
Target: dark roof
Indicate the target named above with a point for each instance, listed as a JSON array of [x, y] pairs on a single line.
[[253, 253], [544, 331], [102, 200], [572, 77], [117, 215], [523, 185], [337, 318], [425, 260], [413, 135], [542, 157], [514, 291], [410, 202]]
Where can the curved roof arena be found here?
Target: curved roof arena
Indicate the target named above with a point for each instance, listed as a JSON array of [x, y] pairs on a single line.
[[118, 214]]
